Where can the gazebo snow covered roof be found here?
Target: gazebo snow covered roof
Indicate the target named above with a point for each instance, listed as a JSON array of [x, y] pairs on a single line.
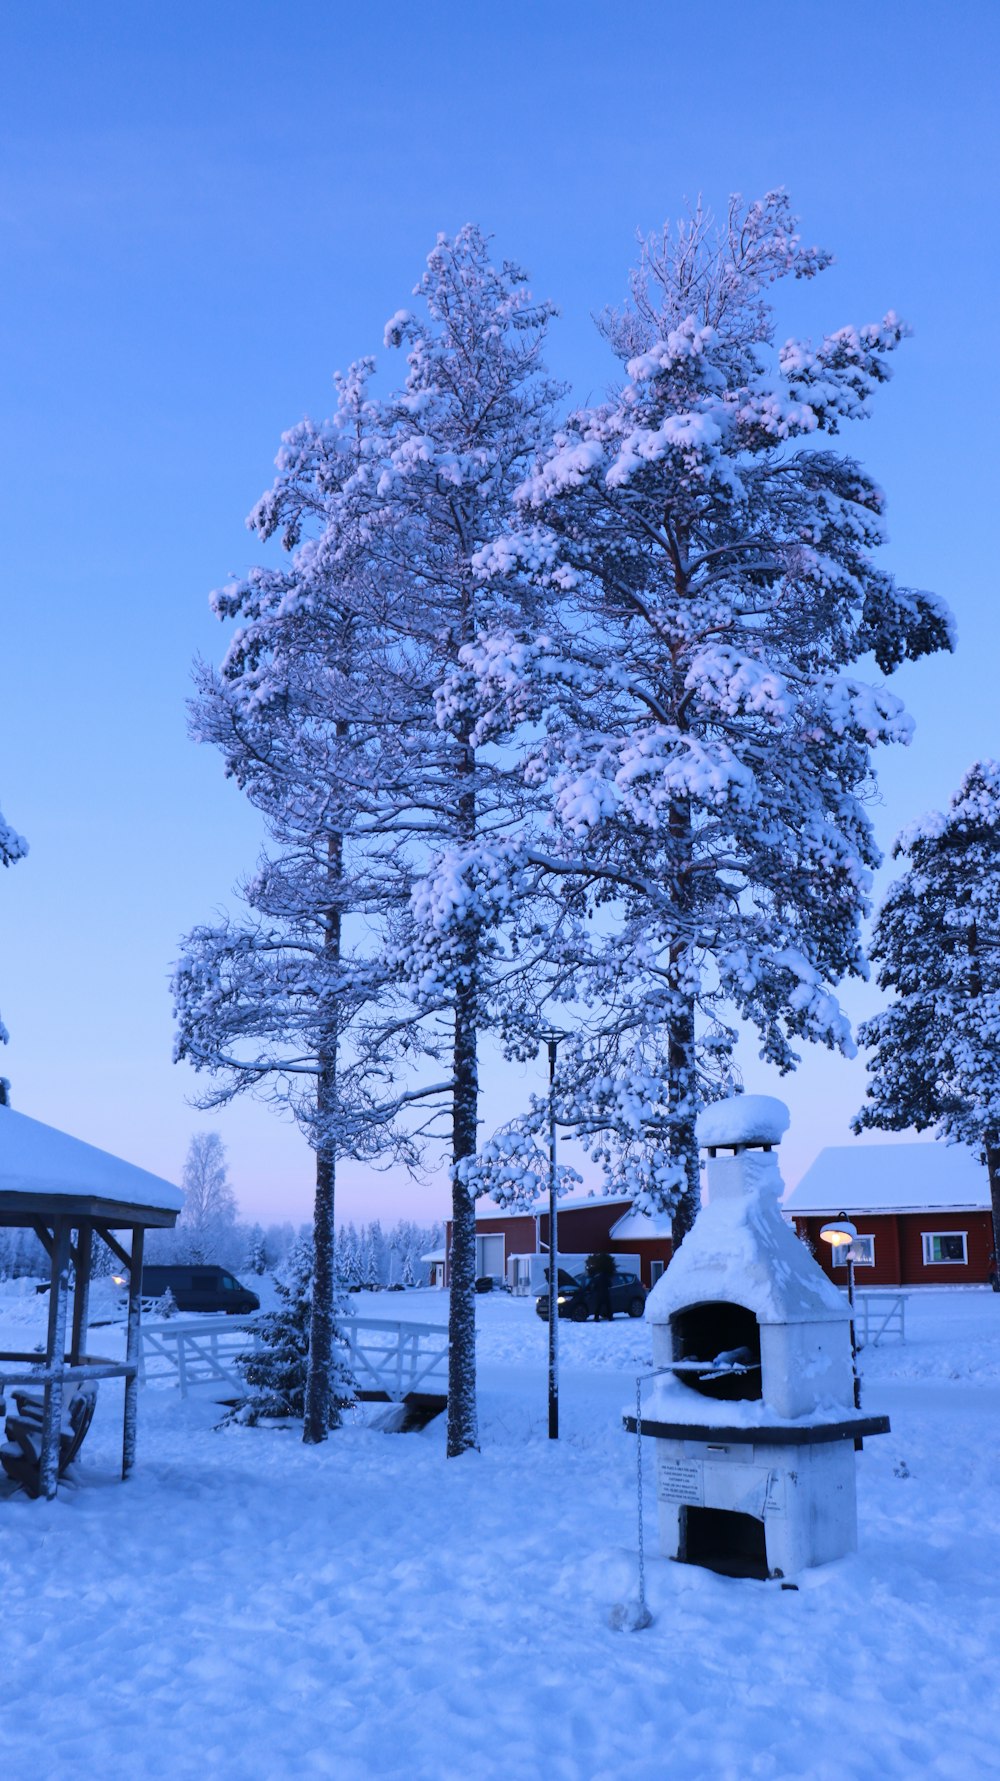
[[70, 1193], [922, 1177], [45, 1170]]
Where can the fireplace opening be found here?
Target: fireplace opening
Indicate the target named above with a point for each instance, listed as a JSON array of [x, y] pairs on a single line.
[[723, 1540], [717, 1350]]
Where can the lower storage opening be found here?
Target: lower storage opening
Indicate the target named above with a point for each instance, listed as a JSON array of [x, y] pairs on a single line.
[[723, 1540]]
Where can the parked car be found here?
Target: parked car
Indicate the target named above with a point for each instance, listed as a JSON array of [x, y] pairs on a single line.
[[577, 1296], [199, 1289]]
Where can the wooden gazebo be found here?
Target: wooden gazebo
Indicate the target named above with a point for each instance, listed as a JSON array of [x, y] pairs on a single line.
[[68, 1193]]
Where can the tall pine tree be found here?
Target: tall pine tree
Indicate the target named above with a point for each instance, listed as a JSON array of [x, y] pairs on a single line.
[[403, 492], [935, 1051], [686, 694]]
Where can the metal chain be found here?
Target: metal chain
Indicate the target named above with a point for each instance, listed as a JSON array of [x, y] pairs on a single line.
[[638, 1469]]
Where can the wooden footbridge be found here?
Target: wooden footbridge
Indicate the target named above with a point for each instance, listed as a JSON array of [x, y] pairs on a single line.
[[393, 1362]]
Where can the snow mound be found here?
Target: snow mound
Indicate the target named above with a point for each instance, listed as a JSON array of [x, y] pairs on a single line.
[[742, 1119]]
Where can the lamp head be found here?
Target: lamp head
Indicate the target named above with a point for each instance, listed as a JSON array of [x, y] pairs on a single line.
[[840, 1232]]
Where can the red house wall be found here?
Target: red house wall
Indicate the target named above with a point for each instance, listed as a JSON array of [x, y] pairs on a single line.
[[648, 1249], [978, 1228], [899, 1256], [885, 1231], [581, 1231]]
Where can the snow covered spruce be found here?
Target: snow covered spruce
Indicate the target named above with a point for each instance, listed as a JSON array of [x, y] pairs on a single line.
[[935, 1051], [276, 1370]]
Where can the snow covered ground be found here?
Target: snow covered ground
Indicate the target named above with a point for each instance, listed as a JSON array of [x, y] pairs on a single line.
[[249, 1608]]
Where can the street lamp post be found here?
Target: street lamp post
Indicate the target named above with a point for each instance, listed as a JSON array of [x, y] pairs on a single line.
[[551, 1040], [840, 1234]]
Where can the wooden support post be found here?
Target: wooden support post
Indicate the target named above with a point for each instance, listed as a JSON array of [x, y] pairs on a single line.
[[81, 1295], [54, 1358], [132, 1348]]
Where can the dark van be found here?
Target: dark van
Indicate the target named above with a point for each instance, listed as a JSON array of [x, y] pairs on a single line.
[[199, 1289]]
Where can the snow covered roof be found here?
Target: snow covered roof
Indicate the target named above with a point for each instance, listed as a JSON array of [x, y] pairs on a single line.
[[39, 1162], [436, 1255], [574, 1203], [639, 1226], [892, 1178]]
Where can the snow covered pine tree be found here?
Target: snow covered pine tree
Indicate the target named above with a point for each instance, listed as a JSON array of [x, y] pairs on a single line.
[[710, 577], [474, 411], [398, 495], [935, 1051], [270, 1004]]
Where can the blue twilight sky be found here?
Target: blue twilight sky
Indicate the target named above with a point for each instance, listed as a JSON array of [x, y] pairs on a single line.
[[206, 208]]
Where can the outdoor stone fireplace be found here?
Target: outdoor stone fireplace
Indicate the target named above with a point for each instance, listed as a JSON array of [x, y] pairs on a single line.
[[752, 1409]]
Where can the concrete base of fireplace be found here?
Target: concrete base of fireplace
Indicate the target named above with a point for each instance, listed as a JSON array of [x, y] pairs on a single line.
[[758, 1501]]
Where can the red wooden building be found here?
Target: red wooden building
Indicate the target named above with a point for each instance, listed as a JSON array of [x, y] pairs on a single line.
[[922, 1212], [585, 1226]]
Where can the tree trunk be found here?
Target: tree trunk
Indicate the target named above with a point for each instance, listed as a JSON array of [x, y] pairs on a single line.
[[681, 1057], [993, 1168], [320, 1413], [463, 1427], [463, 1422], [684, 1143]]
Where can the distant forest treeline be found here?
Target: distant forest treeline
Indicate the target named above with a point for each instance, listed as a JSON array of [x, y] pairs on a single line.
[[365, 1255]]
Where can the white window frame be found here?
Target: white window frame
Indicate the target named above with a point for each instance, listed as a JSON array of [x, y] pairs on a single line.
[[656, 1271], [944, 1261], [861, 1250]]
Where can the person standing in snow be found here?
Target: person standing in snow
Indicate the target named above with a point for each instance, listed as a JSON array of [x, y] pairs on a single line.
[[600, 1273]]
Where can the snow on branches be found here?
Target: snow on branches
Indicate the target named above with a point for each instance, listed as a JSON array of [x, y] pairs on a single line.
[[935, 1050], [703, 583]]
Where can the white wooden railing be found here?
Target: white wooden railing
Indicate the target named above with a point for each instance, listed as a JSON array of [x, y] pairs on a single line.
[[879, 1315], [389, 1359], [194, 1351], [398, 1359]]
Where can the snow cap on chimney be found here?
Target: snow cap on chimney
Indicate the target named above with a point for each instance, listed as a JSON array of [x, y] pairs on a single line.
[[742, 1120]]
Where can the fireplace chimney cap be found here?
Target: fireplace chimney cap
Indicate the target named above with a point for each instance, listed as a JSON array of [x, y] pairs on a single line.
[[742, 1120]]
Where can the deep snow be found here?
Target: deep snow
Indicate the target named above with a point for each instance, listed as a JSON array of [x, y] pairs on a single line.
[[247, 1607]]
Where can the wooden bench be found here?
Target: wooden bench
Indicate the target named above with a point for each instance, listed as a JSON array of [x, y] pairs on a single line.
[[21, 1454]]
